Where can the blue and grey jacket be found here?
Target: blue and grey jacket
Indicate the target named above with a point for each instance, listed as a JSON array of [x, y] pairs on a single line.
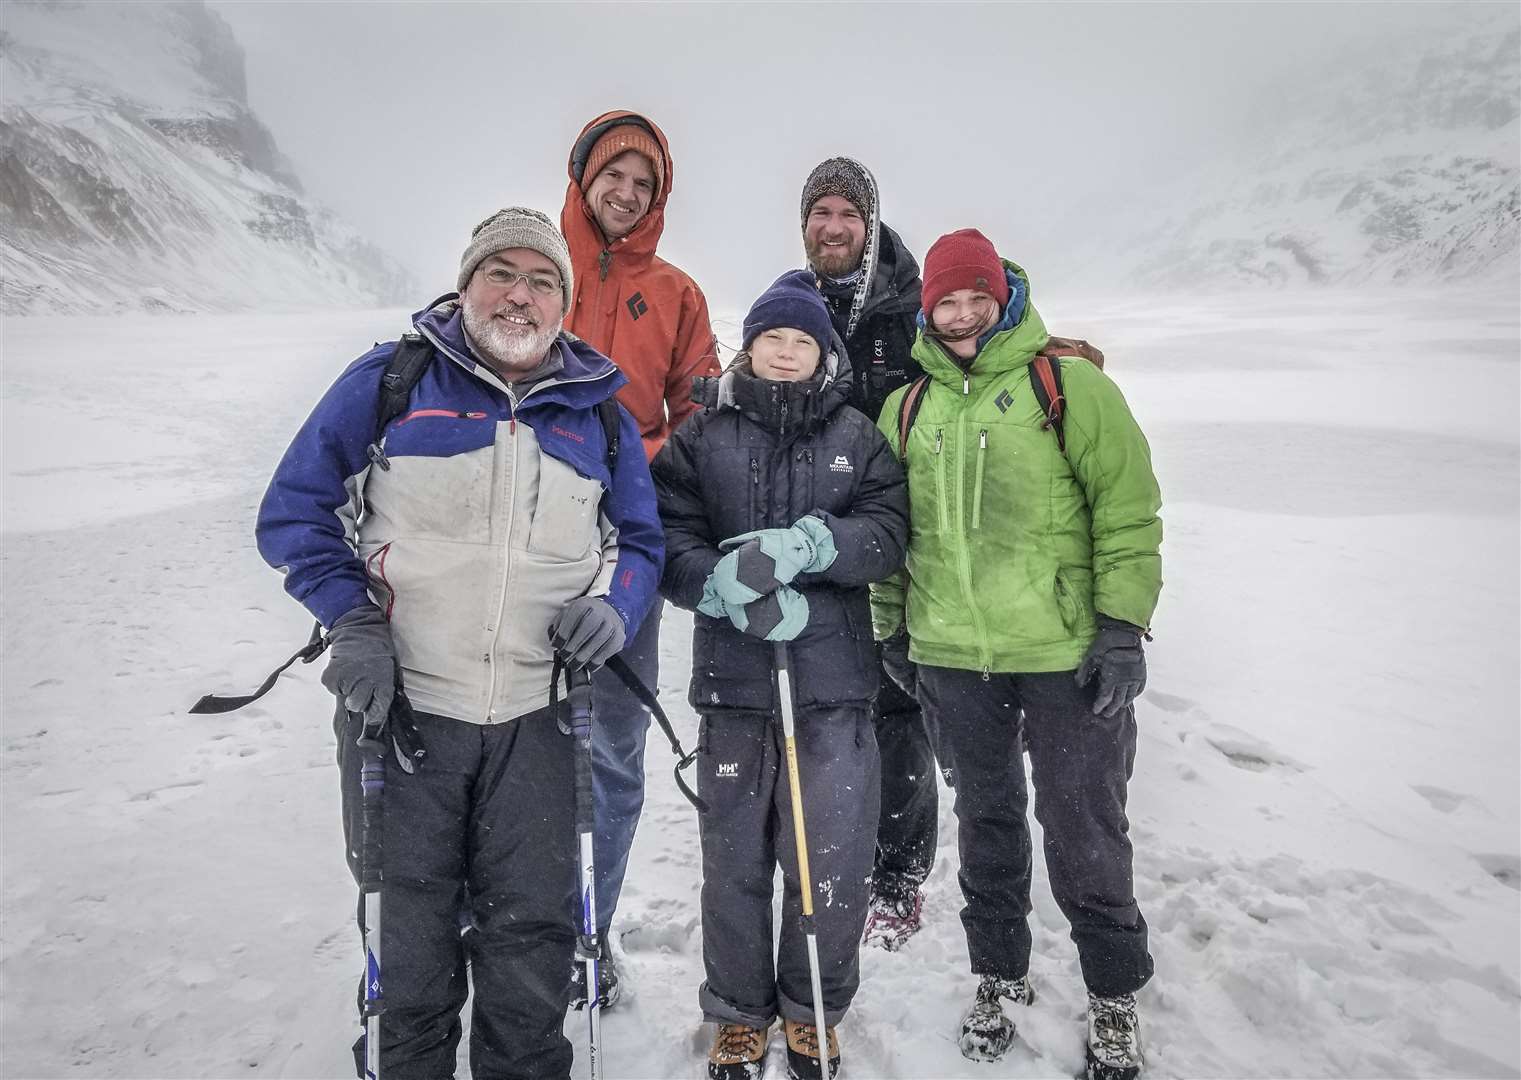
[[496, 508]]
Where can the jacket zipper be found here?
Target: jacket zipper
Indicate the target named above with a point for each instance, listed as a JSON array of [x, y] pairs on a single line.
[[982, 453], [942, 496], [754, 490], [964, 548], [501, 603]]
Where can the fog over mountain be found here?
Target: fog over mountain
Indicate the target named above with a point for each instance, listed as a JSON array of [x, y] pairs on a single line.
[[1397, 163], [1119, 146], [133, 175]]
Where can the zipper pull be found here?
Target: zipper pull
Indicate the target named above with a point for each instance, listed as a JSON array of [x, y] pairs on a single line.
[[755, 472], [986, 675], [939, 437], [604, 261], [982, 439], [966, 383]]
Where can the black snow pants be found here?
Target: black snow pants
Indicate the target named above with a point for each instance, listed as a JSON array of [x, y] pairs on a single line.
[[1081, 765], [909, 821], [492, 809], [747, 831]]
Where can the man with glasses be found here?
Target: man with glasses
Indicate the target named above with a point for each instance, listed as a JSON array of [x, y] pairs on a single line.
[[451, 554], [652, 319]]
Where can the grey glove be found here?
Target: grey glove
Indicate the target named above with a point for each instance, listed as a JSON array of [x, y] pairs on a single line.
[[1116, 658], [361, 664], [588, 632], [900, 669]]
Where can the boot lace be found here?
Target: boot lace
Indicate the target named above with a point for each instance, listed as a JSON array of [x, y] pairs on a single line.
[[1113, 1022], [737, 1042], [992, 988]]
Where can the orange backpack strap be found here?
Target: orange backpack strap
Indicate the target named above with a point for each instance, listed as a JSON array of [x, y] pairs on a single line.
[[1046, 380], [908, 410]]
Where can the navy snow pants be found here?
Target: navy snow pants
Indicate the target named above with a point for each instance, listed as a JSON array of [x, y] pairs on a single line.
[[1081, 765], [512, 842]]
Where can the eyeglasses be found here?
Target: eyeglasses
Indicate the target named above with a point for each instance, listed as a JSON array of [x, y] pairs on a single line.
[[539, 284]]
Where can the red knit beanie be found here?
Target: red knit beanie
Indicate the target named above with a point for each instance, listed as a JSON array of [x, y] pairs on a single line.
[[964, 259], [616, 140]]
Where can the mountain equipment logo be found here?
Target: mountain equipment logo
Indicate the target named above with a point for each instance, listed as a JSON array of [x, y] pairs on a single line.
[[636, 305], [728, 770], [1003, 401], [841, 464]]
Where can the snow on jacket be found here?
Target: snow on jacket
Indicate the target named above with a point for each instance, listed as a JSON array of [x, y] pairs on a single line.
[[497, 508], [761, 455], [632, 305], [1015, 545], [881, 348]]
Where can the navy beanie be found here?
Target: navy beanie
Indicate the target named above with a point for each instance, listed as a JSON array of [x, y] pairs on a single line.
[[792, 300]]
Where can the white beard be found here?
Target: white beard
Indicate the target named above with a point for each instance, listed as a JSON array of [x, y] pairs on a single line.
[[515, 351]]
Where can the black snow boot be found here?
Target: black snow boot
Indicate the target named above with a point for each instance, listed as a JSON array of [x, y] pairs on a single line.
[[608, 987], [986, 1030], [1114, 1038]]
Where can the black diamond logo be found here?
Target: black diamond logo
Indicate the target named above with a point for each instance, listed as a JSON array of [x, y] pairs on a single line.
[[1003, 401], [636, 305]]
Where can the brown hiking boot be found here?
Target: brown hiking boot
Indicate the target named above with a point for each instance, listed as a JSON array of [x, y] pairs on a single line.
[[803, 1051], [739, 1052]]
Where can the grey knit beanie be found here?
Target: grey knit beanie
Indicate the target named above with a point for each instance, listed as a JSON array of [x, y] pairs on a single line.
[[840, 176], [518, 227]]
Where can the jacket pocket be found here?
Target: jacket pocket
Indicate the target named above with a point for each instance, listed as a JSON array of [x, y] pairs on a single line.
[[565, 512], [1067, 603]]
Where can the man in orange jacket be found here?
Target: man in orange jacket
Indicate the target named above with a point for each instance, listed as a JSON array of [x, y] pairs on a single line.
[[652, 320]]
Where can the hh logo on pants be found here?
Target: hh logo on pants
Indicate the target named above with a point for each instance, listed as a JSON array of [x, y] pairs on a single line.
[[728, 770]]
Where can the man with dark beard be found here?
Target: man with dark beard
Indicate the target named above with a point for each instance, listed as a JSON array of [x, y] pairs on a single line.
[[486, 527], [870, 284]]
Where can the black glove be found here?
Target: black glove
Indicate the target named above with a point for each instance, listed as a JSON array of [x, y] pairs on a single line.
[[361, 665], [1116, 658], [587, 632], [900, 669]]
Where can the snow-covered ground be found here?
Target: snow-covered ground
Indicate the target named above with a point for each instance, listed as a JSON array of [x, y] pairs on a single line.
[[1325, 805]]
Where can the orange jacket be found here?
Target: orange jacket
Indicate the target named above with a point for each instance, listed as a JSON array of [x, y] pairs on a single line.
[[631, 305]]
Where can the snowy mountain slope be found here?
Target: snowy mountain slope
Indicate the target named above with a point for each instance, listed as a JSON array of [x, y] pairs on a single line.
[[134, 177], [1400, 163], [1325, 803]]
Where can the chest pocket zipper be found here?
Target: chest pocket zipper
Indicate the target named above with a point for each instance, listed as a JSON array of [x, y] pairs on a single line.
[[982, 454], [940, 492], [754, 491]]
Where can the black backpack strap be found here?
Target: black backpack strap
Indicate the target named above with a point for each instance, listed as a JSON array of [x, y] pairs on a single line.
[[412, 356], [1046, 380], [612, 422], [908, 412]]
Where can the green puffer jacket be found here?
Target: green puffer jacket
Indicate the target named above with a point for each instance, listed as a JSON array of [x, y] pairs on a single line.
[[1013, 546]]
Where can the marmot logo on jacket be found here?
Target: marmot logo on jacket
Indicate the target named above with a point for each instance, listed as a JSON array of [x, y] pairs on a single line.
[[841, 464], [636, 305]]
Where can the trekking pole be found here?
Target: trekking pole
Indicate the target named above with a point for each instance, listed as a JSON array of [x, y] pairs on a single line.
[[579, 699], [372, 786], [799, 834]]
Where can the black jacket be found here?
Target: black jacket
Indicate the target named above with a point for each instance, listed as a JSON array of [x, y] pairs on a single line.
[[761, 455], [880, 348]]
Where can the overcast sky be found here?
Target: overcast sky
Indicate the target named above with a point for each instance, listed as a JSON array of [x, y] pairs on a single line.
[[413, 121]]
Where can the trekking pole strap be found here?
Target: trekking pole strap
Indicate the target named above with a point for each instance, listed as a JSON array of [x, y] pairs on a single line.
[[214, 703], [619, 667]]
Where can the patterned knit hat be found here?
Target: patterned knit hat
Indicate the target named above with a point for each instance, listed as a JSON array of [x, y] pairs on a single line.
[[518, 227], [844, 177], [964, 259], [793, 300], [618, 139]]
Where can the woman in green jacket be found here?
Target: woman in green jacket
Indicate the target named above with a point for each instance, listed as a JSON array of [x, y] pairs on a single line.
[[1032, 573]]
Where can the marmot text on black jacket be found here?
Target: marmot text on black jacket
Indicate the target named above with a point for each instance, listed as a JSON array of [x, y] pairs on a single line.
[[759, 455], [495, 507]]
